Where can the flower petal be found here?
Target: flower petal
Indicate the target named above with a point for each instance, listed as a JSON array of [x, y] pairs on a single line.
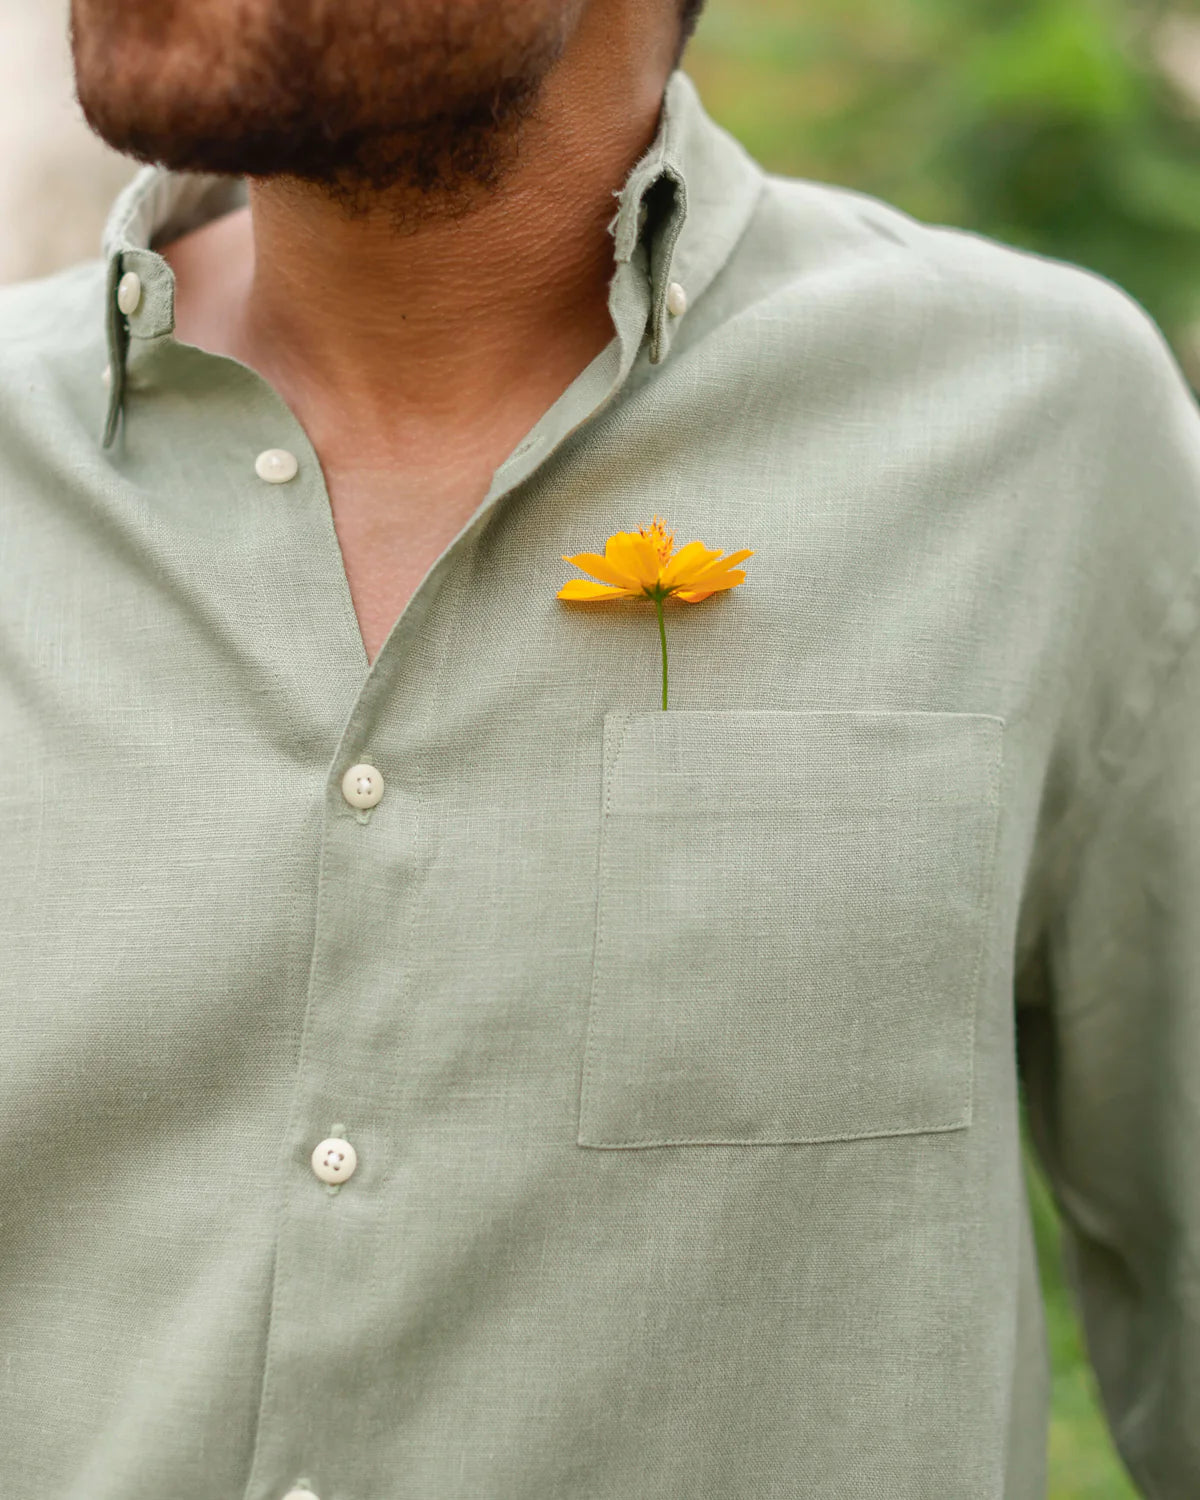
[[602, 568], [711, 586], [583, 588], [736, 557], [717, 564], [634, 556], [687, 561]]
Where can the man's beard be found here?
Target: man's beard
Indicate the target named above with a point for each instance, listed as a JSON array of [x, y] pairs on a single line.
[[415, 101]]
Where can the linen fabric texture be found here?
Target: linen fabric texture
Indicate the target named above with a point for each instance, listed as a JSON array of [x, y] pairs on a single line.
[[681, 1051]]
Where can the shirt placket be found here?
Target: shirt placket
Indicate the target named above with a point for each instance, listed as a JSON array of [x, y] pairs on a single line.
[[340, 1176], [341, 1168]]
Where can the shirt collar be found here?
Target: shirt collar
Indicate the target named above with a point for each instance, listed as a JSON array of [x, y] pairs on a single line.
[[682, 208]]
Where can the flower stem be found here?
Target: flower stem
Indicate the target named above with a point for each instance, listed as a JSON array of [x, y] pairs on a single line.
[[662, 635]]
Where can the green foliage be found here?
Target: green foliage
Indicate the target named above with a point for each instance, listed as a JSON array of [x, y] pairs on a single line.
[[1082, 1463], [1047, 124]]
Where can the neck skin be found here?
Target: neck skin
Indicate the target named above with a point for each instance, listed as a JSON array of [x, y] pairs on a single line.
[[381, 341]]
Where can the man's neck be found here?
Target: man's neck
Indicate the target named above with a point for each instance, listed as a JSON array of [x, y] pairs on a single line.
[[415, 333]]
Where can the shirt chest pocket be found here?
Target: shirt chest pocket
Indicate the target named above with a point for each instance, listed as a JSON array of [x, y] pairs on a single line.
[[792, 915]]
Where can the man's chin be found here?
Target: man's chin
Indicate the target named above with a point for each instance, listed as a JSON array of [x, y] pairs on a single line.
[[366, 97], [441, 170], [442, 165]]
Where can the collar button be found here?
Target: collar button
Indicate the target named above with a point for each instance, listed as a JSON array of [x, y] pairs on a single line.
[[129, 292], [276, 466]]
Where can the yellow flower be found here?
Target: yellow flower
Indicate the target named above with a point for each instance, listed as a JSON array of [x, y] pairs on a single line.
[[642, 564]]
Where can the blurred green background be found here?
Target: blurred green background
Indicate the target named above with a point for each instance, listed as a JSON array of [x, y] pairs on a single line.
[[1067, 127]]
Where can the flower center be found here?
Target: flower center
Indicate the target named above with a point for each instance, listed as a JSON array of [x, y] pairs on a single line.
[[664, 540]]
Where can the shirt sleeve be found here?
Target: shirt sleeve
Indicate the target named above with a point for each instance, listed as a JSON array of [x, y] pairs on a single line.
[[1108, 1045]]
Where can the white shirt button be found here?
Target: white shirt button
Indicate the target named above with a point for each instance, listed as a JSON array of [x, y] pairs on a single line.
[[129, 292], [362, 786], [276, 466], [334, 1160], [676, 300], [300, 1494]]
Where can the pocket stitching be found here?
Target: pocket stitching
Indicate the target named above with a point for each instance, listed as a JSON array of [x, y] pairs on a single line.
[[601, 886], [995, 782]]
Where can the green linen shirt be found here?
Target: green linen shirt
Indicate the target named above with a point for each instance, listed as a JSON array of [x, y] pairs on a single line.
[[679, 1051]]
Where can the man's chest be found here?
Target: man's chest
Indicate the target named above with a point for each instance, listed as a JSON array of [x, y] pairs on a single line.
[[766, 916], [391, 528]]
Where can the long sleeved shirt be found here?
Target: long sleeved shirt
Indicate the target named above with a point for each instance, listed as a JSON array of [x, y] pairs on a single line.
[[455, 1076]]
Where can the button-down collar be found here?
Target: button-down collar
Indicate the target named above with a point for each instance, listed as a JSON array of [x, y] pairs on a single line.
[[680, 212]]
